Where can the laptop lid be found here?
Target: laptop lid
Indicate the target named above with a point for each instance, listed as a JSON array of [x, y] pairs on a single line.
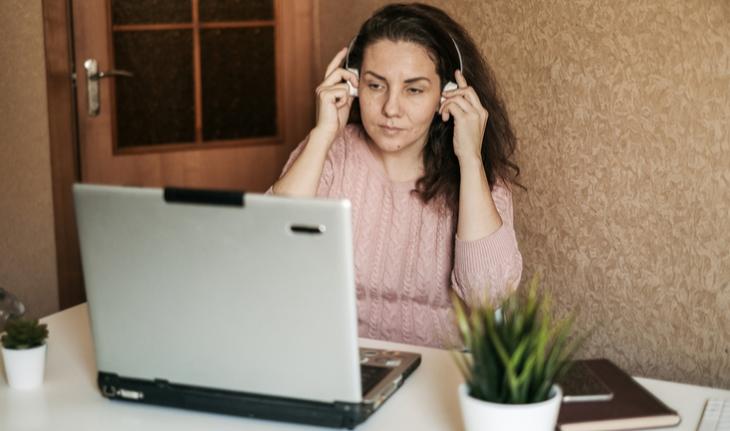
[[250, 293]]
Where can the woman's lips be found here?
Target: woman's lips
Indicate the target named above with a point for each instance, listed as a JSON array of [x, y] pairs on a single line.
[[389, 130]]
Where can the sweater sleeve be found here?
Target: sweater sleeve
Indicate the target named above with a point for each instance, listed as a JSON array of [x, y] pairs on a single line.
[[491, 265], [334, 157]]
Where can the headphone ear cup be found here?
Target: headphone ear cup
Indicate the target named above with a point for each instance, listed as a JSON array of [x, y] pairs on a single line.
[[450, 86], [353, 90]]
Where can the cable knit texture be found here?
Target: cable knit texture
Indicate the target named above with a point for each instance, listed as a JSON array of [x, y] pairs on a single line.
[[407, 256]]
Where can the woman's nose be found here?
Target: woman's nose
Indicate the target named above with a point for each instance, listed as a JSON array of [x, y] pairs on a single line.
[[392, 107]]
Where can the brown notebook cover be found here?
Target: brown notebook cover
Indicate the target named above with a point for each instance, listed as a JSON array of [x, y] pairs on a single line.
[[632, 406]]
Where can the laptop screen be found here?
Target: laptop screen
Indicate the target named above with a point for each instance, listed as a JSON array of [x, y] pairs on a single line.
[[253, 297]]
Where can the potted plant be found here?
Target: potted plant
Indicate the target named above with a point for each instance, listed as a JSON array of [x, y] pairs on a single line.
[[24, 352], [10, 307], [514, 354]]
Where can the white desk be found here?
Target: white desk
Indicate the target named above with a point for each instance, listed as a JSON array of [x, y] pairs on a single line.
[[69, 399]]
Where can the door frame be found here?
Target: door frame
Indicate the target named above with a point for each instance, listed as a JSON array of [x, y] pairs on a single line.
[[302, 41], [65, 164]]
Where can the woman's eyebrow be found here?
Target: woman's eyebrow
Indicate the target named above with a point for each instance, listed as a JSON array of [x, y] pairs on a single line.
[[407, 81]]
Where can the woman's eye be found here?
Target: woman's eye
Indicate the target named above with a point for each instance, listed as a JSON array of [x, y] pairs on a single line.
[[415, 91], [374, 86]]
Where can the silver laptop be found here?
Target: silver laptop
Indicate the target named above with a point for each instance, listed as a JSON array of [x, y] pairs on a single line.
[[229, 302]]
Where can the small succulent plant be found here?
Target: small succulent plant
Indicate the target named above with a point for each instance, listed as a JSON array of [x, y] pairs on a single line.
[[10, 307], [516, 351], [23, 334]]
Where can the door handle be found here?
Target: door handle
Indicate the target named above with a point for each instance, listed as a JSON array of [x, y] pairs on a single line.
[[92, 83]]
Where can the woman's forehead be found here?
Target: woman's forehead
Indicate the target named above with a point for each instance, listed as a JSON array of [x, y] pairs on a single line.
[[399, 60]]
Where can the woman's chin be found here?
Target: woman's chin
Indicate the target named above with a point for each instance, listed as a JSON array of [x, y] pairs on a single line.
[[391, 142], [389, 145]]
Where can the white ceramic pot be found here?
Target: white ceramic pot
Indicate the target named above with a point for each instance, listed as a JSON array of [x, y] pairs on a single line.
[[484, 415], [24, 368]]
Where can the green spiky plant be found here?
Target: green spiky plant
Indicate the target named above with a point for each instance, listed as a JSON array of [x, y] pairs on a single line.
[[515, 357], [23, 334]]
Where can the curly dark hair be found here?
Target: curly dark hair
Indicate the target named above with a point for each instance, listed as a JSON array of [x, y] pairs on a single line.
[[433, 29]]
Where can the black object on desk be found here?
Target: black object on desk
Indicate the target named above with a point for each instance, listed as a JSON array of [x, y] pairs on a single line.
[[632, 406]]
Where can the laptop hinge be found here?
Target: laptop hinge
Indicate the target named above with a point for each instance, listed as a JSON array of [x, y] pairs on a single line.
[[205, 197], [162, 392], [353, 413]]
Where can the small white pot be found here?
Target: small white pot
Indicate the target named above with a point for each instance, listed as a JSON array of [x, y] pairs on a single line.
[[24, 368], [484, 415]]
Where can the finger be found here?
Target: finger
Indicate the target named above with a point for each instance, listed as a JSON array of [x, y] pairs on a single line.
[[338, 75], [335, 63], [463, 105], [449, 108], [328, 90], [337, 94], [342, 99], [467, 93], [460, 80]]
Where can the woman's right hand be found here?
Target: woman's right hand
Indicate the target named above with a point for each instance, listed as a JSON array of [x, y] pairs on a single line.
[[333, 97]]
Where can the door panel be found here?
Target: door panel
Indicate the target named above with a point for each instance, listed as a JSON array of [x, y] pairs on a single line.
[[225, 132]]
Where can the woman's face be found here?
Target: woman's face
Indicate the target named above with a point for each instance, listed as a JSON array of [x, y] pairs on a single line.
[[399, 95]]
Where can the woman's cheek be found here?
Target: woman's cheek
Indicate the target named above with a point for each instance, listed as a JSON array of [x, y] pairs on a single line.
[[368, 109], [424, 111]]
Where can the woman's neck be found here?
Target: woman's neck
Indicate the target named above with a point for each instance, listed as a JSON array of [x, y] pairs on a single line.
[[400, 166]]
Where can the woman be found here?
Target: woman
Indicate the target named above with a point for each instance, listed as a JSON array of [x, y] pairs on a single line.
[[427, 172]]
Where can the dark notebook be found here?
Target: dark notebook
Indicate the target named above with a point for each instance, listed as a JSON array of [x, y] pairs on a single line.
[[632, 406]]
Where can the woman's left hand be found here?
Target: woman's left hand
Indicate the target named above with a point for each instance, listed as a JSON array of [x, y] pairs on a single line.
[[470, 119]]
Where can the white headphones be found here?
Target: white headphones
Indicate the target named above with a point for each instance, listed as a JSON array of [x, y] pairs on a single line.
[[450, 85]]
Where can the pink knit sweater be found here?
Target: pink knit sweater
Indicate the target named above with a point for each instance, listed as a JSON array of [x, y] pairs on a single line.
[[407, 256]]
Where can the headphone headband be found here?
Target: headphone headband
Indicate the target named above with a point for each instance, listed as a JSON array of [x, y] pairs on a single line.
[[458, 52]]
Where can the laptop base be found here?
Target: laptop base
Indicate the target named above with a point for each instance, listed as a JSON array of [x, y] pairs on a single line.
[[163, 393]]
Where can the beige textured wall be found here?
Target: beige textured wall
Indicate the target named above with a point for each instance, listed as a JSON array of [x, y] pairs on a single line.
[[27, 245], [622, 109]]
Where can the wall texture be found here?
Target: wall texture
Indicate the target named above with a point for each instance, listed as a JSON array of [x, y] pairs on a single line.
[[622, 110], [27, 245]]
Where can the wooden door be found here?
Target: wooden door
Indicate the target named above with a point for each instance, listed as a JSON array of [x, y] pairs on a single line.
[[221, 92]]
